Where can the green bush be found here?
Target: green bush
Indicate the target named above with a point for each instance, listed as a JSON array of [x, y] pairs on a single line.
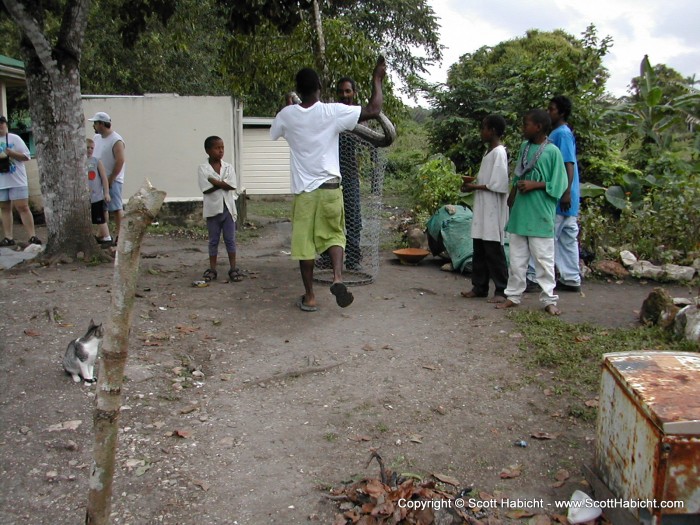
[[437, 184], [664, 219]]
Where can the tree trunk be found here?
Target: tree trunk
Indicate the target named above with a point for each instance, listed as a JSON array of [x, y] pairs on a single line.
[[320, 48], [140, 212], [58, 123]]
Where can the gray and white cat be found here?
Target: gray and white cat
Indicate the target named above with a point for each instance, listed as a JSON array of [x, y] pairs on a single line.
[[81, 354]]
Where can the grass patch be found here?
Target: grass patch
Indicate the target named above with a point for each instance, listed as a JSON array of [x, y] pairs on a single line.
[[398, 193], [273, 209], [186, 232], [574, 351]]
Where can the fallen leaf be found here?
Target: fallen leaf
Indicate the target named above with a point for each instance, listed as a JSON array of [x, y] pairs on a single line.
[[519, 514], [140, 471], [201, 484], [151, 343], [441, 410], [186, 329], [592, 403], [582, 338], [189, 409], [387, 347], [446, 479], [133, 463], [558, 484], [183, 433], [375, 488], [430, 367], [547, 392], [415, 439], [66, 425], [539, 519], [31, 333], [544, 435], [511, 472], [560, 519], [359, 438], [562, 475], [368, 348]]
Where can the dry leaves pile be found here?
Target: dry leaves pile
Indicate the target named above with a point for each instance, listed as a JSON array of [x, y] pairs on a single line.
[[371, 502]]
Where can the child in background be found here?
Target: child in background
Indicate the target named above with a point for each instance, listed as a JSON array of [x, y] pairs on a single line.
[[490, 214], [217, 180], [540, 181], [99, 195]]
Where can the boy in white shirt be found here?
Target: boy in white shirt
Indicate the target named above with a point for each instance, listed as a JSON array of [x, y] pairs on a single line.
[[217, 180]]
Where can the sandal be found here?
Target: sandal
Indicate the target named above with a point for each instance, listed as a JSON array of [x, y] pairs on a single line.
[[209, 275], [235, 275], [34, 240], [7, 242]]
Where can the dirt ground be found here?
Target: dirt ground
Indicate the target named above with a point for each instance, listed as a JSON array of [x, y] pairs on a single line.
[[282, 404]]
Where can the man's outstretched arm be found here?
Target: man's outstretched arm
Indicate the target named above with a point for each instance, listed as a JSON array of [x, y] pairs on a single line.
[[374, 106]]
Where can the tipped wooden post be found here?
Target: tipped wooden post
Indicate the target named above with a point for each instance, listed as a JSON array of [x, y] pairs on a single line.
[[141, 209]]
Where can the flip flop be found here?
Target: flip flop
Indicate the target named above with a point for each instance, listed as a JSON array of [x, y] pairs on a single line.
[[305, 307], [342, 297]]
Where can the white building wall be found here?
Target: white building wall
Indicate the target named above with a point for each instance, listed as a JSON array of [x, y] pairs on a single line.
[[265, 162], [164, 137]]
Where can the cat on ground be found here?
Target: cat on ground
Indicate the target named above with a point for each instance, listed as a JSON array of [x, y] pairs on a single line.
[[81, 354]]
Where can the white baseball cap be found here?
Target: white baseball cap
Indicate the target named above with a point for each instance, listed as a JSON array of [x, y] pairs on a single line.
[[100, 116]]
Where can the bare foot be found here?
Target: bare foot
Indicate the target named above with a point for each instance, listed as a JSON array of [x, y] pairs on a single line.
[[507, 304], [470, 294], [552, 309], [496, 299]]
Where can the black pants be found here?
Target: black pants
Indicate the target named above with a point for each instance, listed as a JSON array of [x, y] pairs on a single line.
[[489, 263], [353, 219]]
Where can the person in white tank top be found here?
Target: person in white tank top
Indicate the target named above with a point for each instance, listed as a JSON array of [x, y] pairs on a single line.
[[109, 148]]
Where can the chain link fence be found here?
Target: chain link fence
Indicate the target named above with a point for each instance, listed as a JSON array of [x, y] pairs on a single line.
[[362, 168]]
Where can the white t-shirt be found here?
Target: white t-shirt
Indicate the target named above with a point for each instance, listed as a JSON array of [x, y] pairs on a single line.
[[312, 134], [104, 150], [213, 203], [491, 207], [17, 176]]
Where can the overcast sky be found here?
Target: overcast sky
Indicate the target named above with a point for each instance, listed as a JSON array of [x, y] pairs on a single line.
[[666, 30]]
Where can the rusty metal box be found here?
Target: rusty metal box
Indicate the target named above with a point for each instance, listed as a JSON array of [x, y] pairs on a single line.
[[648, 435]]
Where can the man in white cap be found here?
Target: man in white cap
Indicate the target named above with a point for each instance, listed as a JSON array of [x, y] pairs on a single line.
[[109, 148]]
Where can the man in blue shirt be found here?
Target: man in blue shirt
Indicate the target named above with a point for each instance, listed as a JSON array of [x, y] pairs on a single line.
[[566, 254]]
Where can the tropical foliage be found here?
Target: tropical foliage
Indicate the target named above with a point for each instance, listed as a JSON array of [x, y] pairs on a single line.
[[513, 77]]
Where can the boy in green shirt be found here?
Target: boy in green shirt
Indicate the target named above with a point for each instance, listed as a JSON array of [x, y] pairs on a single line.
[[540, 181]]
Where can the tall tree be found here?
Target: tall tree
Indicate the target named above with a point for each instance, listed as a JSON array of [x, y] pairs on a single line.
[[513, 77], [405, 31], [52, 59], [51, 44]]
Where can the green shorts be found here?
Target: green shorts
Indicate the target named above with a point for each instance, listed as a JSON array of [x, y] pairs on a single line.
[[318, 222]]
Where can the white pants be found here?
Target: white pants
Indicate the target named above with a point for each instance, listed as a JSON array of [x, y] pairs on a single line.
[[542, 251], [566, 250]]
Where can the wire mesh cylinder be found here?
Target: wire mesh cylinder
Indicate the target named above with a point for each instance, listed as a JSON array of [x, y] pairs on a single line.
[[362, 168]]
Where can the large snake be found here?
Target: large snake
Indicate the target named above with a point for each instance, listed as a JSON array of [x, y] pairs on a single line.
[[379, 140]]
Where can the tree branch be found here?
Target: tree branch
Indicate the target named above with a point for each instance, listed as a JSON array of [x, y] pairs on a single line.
[[33, 32], [73, 24]]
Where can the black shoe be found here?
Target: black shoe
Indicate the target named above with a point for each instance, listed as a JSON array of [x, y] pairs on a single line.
[[561, 287], [7, 242], [532, 287], [34, 240]]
